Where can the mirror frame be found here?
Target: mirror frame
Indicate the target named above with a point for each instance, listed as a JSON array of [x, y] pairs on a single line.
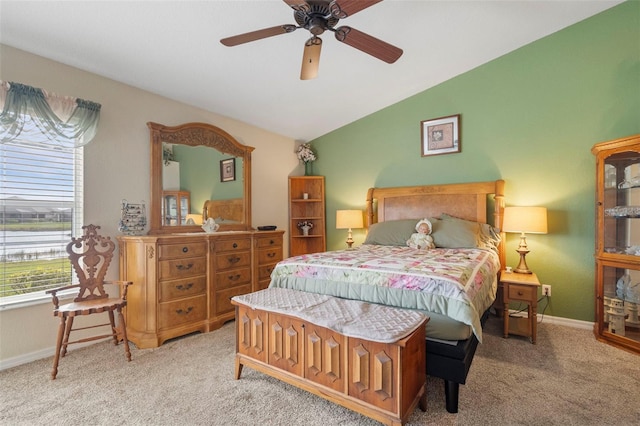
[[194, 134]]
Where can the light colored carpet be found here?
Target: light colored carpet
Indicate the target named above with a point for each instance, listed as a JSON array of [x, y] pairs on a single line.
[[568, 378]]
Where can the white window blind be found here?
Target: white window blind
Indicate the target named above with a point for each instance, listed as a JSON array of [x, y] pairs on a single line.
[[41, 187]]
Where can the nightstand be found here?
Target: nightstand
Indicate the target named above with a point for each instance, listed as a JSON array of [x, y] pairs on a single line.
[[520, 288]]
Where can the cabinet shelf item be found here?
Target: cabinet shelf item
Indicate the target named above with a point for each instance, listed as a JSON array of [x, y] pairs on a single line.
[[618, 242], [310, 209]]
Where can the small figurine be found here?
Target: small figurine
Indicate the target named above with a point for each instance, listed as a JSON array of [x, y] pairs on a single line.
[[210, 226], [422, 238]]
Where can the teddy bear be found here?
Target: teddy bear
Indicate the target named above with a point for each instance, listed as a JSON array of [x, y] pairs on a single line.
[[422, 238]]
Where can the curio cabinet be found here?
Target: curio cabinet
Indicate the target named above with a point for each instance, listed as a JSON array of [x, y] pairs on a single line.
[[618, 242]]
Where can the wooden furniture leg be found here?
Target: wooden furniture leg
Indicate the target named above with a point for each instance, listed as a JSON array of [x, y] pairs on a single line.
[[67, 332], [114, 329], [56, 358], [122, 332]]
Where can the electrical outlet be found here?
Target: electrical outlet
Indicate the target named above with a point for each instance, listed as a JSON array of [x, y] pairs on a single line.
[[546, 290]]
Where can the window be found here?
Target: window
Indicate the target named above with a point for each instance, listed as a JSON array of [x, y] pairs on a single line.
[[41, 187]]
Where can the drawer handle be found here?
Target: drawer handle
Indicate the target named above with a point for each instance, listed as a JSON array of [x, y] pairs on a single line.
[[233, 259], [269, 270], [184, 287], [182, 312], [235, 245], [272, 242], [520, 293], [271, 254], [185, 249], [234, 277], [183, 267]]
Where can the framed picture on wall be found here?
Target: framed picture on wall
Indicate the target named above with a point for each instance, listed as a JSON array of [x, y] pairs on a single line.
[[440, 135], [227, 170]]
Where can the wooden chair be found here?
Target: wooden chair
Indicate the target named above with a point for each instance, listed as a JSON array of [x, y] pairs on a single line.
[[90, 256]]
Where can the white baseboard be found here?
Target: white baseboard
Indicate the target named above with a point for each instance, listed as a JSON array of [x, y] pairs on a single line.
[[41, 354], [584, 325], [548, 319], [23, 359]]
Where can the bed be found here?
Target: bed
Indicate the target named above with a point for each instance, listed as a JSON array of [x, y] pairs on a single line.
[[455, 284]]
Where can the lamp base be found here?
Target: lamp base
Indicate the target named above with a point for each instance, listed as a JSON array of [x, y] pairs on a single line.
[[349, 240], [522, 267]]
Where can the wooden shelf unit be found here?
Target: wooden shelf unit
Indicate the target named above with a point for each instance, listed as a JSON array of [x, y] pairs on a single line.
[[310, 209]]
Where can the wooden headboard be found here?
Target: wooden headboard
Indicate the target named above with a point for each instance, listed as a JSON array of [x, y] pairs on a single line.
[[229, 210], [464, 200]]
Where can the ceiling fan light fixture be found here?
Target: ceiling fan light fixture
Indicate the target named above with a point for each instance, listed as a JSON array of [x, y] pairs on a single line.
[[311, 58]]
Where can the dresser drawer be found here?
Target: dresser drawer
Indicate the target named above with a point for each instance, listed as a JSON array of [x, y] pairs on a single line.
[[522, 292], [182, 268], [223, 298], [269, 242], [233, 245], [264, 271], [175, 251], [182, 311], [178, 289], [269, 255], [233, 260], [233, 277]]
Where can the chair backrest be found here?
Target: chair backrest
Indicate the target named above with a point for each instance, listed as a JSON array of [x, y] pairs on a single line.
[[90, 256]]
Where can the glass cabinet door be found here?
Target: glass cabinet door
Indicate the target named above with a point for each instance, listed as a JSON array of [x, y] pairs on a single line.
[[170, 210], [621, 204], [184, 210], [621, 297], [176, 205]]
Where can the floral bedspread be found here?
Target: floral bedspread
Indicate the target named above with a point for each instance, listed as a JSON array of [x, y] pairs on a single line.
[[459, 283]]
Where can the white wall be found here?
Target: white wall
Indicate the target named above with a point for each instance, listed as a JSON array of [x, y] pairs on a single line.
[[117, 166]]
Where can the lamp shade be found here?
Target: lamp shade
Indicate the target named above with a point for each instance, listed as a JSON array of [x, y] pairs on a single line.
[[196, 218], [531, 220], [349, 219]]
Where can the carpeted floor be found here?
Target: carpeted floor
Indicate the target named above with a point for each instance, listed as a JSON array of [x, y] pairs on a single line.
[[568, 378]]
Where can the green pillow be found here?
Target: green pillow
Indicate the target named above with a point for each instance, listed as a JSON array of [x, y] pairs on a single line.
[[391, 233], [452, 232]]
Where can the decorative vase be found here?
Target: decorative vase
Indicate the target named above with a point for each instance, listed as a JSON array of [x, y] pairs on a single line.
[[305, 230], [308, 168]]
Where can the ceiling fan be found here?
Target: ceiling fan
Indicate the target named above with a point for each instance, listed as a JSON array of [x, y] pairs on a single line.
[[319, 16]]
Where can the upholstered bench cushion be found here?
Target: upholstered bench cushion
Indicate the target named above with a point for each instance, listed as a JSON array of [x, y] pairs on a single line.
[[351, 318]]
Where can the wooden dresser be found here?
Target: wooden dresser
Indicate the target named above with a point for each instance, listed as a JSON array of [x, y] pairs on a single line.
[[183, 283]]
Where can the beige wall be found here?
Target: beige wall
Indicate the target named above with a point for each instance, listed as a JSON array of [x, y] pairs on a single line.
[[117, 167]]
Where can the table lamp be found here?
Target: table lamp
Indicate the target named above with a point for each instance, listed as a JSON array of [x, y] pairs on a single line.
[[349, 219], [524, 220]]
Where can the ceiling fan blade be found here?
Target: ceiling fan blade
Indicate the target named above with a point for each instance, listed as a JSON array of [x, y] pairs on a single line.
[[257, 35], [343, 8], [311, 58], [368, 44], [298, 5]]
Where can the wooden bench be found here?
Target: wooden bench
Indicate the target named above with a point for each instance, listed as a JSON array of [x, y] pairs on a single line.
[[366, 357]]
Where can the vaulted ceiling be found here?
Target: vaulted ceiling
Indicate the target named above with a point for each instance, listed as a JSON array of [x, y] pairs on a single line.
[[173, 48]]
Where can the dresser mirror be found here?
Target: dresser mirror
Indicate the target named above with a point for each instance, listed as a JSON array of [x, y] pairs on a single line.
[[198, 171]]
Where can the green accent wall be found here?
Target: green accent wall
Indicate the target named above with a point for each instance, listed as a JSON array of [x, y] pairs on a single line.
[[200, 174], [529, 117]]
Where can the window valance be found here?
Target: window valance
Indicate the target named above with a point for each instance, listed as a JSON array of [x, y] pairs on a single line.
[[29, 112]]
